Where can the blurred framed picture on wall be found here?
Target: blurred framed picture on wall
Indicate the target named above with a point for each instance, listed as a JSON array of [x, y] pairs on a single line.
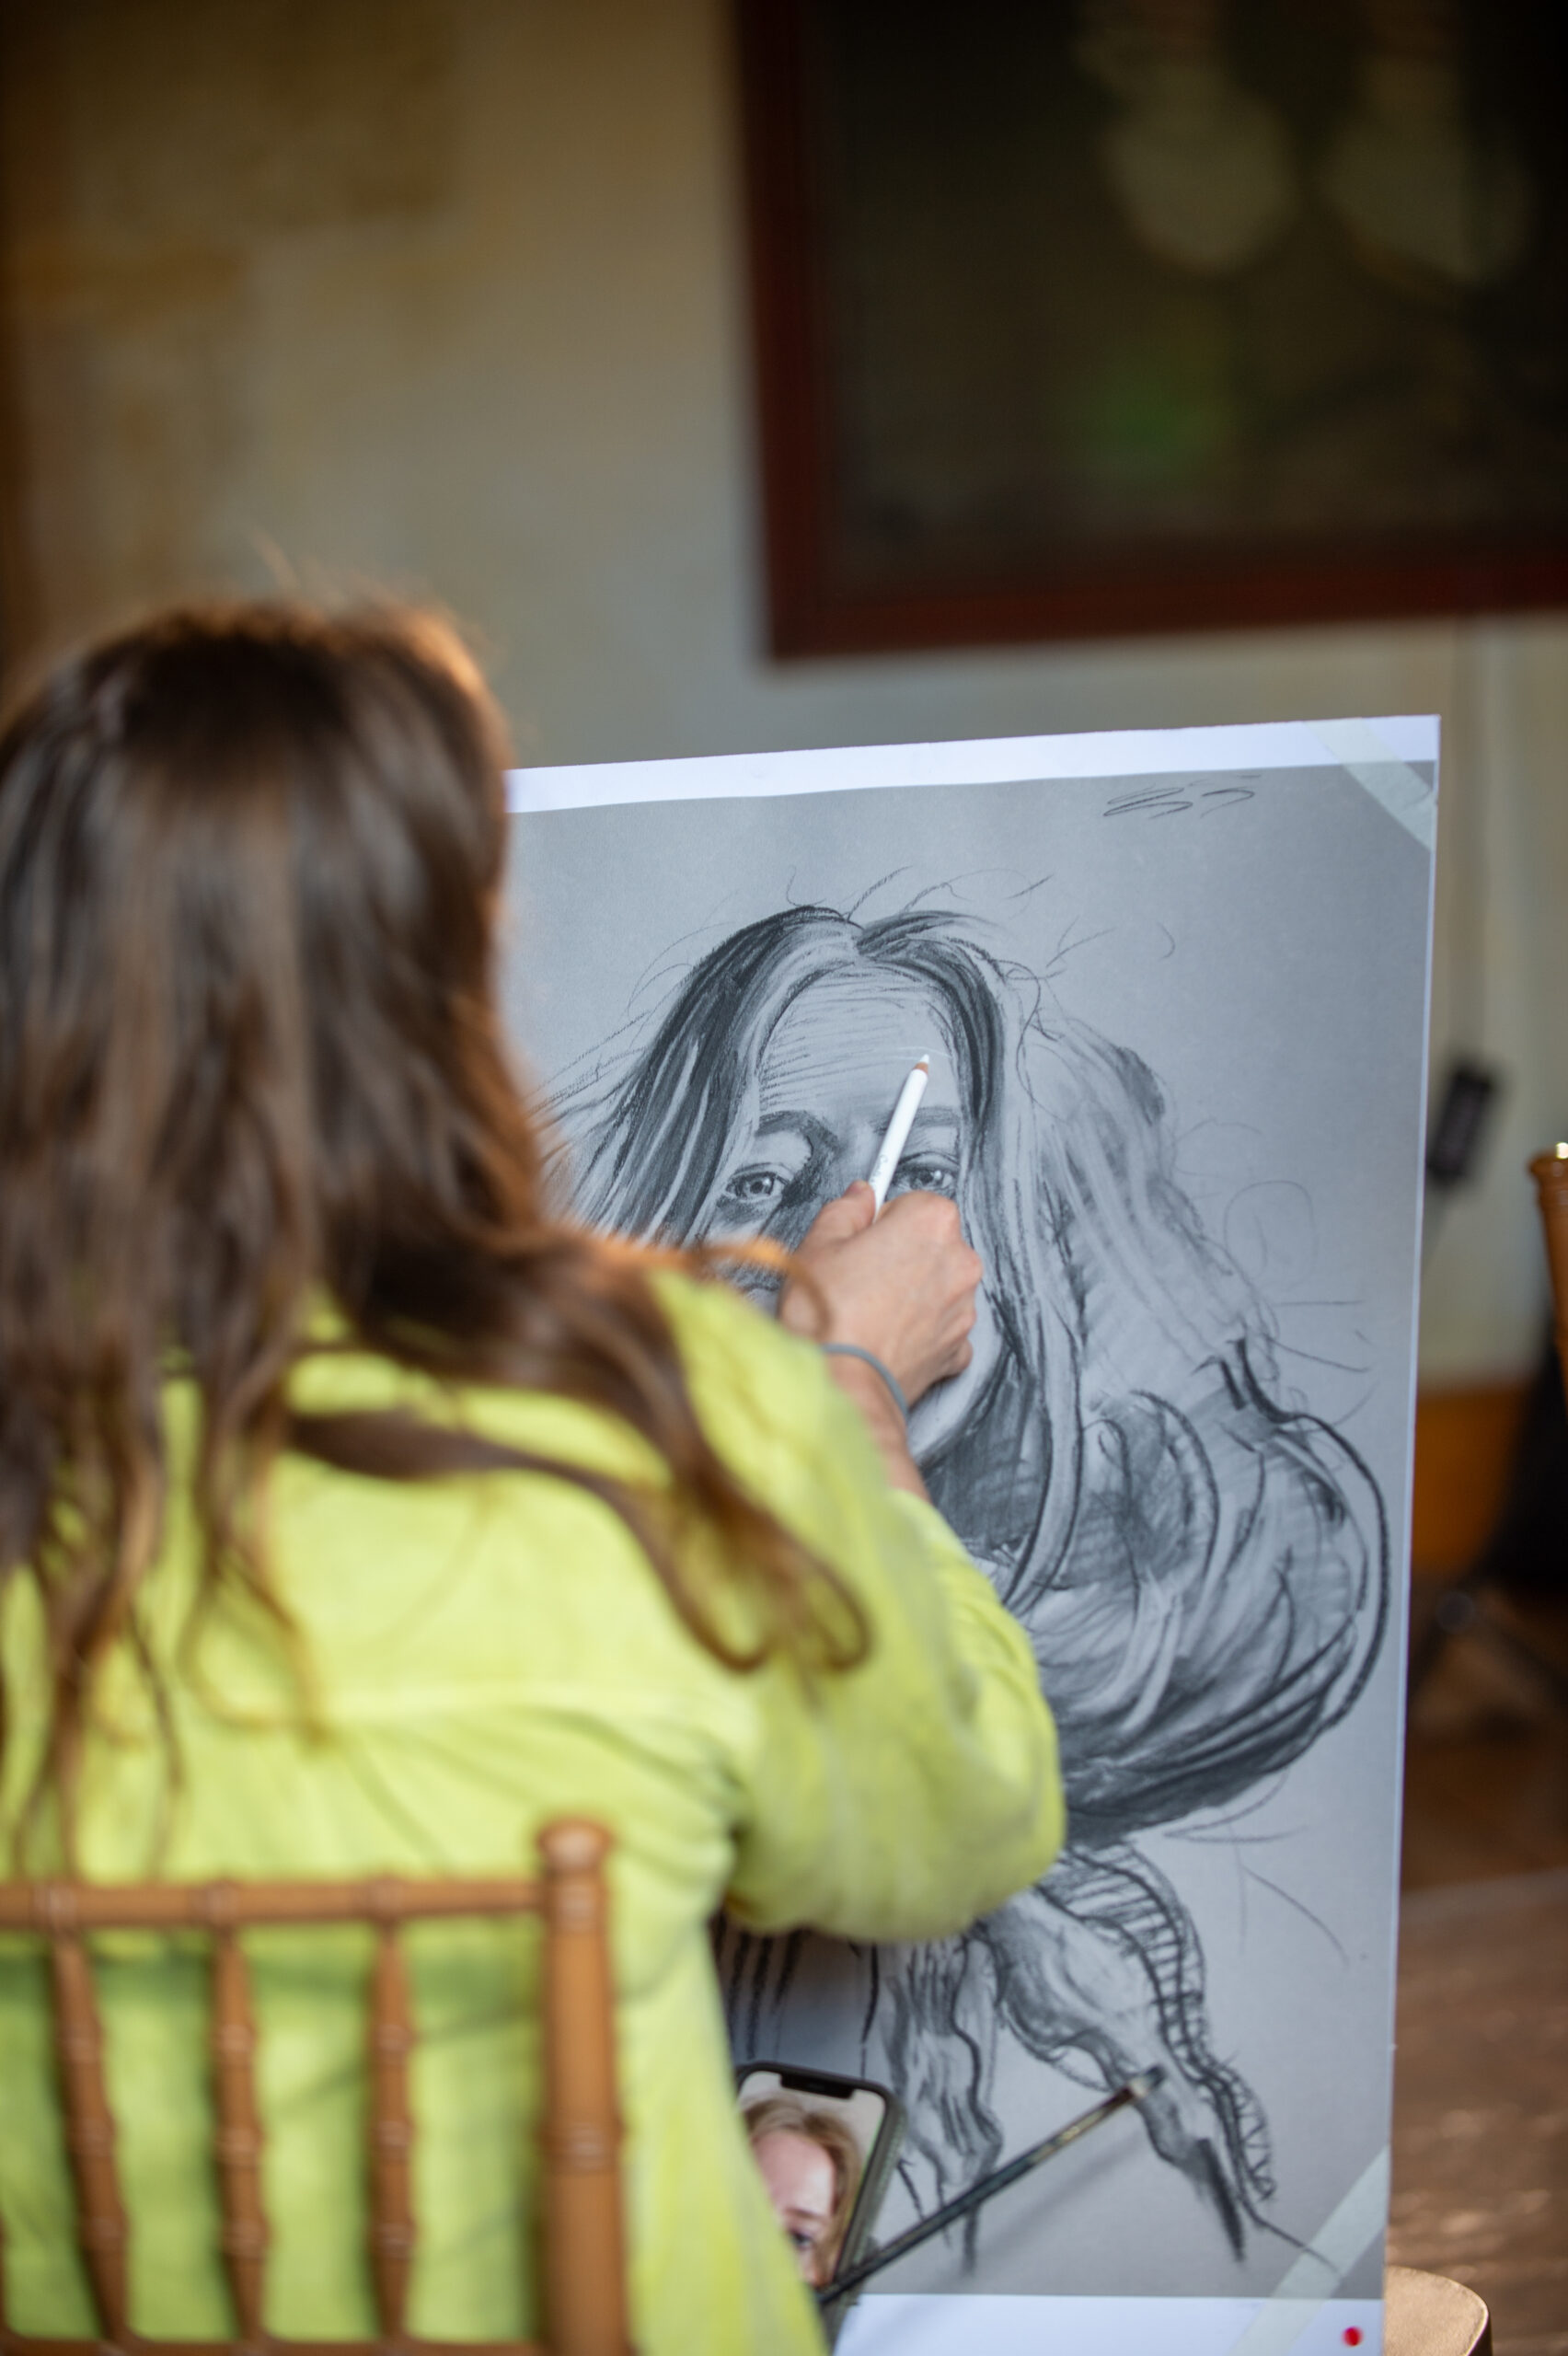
[[1083, 317]]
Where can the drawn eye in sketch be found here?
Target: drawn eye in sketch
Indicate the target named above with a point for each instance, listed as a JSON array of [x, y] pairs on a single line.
[[767, 1179], [926, 1173], [756, 1190]]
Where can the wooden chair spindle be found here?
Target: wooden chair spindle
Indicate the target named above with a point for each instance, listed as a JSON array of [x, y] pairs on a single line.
[[89, 2123], [391, 2132], [585, 2288], [237, 2141]]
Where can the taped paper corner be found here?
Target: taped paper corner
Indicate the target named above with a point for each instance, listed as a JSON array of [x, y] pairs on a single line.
[[1392, 783]]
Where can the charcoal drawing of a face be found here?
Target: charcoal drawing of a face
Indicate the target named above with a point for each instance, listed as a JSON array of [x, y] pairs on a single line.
[[1202, 1567]]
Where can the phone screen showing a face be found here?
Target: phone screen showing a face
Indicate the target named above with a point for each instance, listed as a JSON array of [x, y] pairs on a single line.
[[825, 2147]]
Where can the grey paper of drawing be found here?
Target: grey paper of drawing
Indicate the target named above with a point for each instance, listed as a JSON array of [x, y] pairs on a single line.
[[1178, 1020]]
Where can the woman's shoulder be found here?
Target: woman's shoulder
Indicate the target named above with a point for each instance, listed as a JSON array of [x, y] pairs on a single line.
[[713, 1318], [745, 1371], [762, 1396], [756, 1388]]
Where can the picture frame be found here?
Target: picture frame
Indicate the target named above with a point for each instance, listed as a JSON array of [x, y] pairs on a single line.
[[1028, 368]]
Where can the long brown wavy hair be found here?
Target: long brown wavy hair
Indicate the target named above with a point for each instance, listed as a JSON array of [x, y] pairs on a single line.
[[786, 2114], [250, 1058]]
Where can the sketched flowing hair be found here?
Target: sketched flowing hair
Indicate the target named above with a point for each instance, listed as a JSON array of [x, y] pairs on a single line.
[[1102, 1277], [1066, 1154], [1201, 1567], [250, 1063]]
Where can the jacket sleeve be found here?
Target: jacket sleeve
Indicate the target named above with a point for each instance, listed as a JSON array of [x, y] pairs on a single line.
[[901, 1798]]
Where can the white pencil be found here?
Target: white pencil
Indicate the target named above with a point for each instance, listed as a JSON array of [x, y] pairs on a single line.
[[898, 1130]]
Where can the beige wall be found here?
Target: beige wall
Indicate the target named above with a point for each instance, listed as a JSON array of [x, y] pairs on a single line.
[[447, 293]]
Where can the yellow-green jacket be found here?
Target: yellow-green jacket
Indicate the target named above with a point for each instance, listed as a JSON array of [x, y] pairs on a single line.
[[488, 1651]]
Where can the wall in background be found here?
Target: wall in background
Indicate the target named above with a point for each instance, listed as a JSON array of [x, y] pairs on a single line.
[[448, 294]]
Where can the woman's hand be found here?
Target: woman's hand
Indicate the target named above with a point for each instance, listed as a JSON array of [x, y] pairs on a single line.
[[903, 1287]]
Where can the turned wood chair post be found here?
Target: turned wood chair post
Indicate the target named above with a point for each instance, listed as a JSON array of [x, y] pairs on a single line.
[[584, 2268], [391, 2123], [237, 2131], [89, 2123], [1550, 1172]]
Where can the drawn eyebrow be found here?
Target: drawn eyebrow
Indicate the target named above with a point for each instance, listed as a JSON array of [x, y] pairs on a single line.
[[934, 1120], [816, 1133]]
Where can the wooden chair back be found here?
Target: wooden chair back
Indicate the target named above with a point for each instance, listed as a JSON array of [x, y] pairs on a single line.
[[1550, 1172], [584, 2268]]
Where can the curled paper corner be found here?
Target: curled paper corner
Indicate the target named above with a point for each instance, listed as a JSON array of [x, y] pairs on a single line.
[[1374, 764]]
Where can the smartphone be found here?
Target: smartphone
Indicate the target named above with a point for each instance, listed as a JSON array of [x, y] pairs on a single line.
[[826, 2147]]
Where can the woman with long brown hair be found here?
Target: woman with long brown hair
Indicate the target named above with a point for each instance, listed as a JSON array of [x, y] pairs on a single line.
[[358, 1514], [811, 2165]]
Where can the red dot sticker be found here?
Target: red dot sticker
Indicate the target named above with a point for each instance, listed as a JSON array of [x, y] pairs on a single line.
[[1353, 2335]]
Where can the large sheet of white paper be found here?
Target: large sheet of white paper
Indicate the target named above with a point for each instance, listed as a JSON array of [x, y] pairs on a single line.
[[1174, 986]]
